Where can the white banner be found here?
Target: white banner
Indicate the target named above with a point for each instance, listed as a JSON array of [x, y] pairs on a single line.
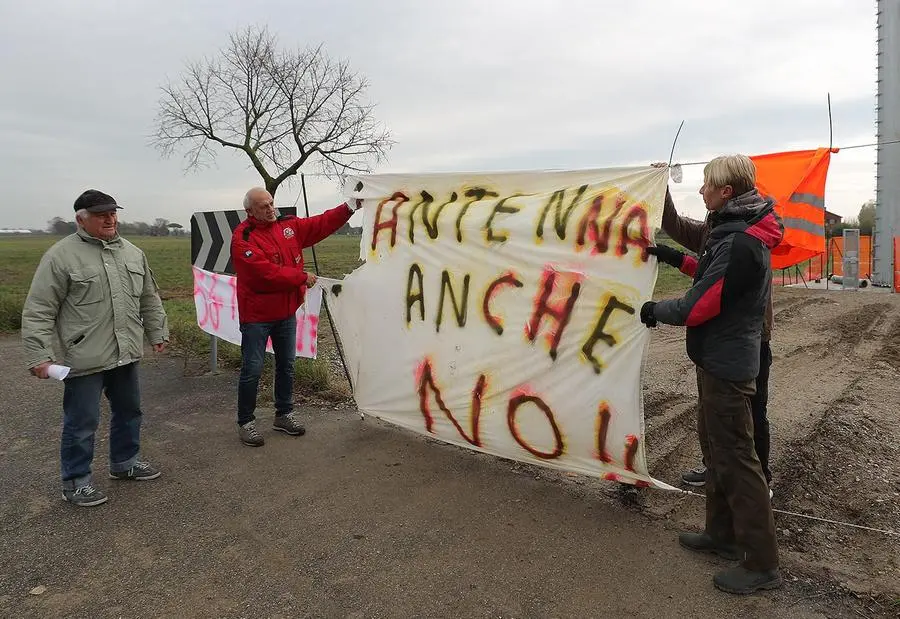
[[501, 312], [215, 300]]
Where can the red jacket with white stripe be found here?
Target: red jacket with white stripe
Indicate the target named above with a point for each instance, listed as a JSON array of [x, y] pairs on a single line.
[[725, 307], [268, 262]]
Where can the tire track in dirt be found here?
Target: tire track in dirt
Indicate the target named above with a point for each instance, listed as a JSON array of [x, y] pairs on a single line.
[[667, 364], [671, 426], [659, 402], [890, 349], [848, 469], [815, 361], [670, 397], [796, 308]]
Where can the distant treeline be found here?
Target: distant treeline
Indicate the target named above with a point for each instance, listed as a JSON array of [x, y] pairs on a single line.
[[160, 227], [349, 230]]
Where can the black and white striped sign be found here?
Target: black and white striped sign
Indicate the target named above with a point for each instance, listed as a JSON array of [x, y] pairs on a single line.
[[211, 237]]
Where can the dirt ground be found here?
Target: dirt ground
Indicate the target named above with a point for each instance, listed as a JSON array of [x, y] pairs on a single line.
[[359, 519], [834, 409]]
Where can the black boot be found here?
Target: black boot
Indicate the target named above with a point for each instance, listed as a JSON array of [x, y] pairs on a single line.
[[702, 542], [742, 581]]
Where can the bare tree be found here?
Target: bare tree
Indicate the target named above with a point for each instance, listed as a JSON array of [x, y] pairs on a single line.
[[282, 108], [160, 227]]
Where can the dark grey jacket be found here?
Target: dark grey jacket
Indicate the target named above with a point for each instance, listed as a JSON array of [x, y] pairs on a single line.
[[691, 234], [725, 307]]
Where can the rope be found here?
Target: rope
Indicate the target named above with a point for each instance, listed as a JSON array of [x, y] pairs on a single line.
[[852, 146], [872, 144], [689, 163], [808, 517], [337, 341]]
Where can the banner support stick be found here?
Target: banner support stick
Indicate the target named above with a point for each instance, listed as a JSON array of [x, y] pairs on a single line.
[[334, 334], [674, 142], [803, 279]]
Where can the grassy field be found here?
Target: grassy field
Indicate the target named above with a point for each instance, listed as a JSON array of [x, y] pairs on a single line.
[[170, 259]]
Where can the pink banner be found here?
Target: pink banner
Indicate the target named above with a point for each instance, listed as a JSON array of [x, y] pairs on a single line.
[[215, 300]]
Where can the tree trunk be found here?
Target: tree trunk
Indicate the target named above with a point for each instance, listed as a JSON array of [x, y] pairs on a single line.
[[272, 187]]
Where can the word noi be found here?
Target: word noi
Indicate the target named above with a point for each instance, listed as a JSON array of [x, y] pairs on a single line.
[[604, 217], [552, 283], [427, 387]]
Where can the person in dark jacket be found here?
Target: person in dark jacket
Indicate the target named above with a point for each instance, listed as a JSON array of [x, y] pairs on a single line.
[[724, 313], [692, 235], [267, 252]]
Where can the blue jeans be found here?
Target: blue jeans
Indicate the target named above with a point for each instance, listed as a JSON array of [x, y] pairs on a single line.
[[254, 336], [81, 414]]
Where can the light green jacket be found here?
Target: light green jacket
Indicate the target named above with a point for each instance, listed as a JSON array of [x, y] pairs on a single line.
[[98, 298]]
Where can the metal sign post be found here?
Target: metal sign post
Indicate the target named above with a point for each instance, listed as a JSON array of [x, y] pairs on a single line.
[[213, 354]]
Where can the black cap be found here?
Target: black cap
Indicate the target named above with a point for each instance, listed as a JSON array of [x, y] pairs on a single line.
[[94, 201]]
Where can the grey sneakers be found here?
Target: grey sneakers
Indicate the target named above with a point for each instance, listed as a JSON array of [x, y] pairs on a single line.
[[288, 424], [84, 496], [141, 471], [249, 435], [88, 496]]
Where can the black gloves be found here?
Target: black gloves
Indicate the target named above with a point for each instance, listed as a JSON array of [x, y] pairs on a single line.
[[666, 254], [647, 316]]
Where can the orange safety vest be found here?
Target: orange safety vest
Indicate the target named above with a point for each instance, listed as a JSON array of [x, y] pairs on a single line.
[[796, 181]]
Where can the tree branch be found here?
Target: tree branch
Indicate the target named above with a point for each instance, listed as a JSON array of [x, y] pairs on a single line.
[[283, 109]]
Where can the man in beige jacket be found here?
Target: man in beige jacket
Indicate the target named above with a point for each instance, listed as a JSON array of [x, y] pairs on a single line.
[[93, 294]]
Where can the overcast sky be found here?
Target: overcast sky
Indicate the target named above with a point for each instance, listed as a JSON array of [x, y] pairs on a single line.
[[461, 85]]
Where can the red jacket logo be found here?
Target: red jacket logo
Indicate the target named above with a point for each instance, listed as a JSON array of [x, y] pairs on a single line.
[[288, 233]]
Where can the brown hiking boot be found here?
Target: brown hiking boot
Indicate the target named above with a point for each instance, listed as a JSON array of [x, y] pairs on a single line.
[[742, 581], [702, 542]]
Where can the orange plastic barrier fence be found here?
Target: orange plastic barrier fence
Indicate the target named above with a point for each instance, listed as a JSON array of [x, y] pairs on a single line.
[[897, 264], [814, 270]]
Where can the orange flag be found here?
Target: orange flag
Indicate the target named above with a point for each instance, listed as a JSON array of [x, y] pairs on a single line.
[[796, 181]]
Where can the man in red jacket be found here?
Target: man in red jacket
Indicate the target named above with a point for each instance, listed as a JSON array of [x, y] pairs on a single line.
[[267, 252]]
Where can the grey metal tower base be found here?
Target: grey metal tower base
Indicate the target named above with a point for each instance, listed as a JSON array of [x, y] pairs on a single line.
[[887, 128]]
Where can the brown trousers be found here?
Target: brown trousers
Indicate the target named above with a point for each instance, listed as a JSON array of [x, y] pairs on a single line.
[[738, 508]]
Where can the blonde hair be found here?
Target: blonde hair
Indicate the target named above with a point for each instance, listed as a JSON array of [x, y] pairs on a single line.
[[735, 170]]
